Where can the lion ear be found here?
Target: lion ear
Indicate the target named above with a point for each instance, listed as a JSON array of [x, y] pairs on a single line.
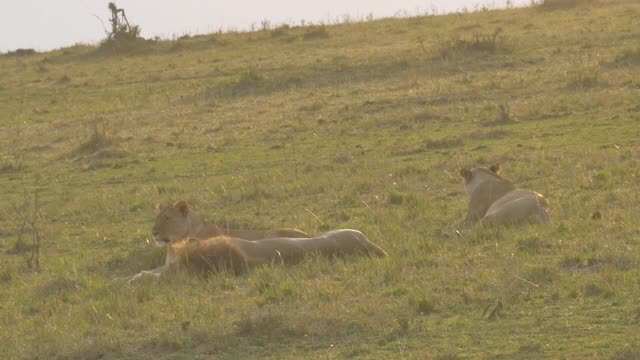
[[159, 207], [465, 174], [182, 206], [495, 168]]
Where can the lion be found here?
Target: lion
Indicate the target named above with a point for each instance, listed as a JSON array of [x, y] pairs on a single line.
[[178, 222], [494, 200], [223, 253]]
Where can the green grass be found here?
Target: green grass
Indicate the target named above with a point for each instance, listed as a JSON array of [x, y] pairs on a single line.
[[358, 125]]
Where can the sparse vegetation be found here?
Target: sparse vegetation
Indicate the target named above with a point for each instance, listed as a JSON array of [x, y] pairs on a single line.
[[563, 4], [21, 52], [362, 126], [315, 32]]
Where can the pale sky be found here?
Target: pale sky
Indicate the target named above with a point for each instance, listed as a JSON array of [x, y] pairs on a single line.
[[50, 24]]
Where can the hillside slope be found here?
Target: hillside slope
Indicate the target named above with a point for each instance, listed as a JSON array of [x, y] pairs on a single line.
[[359, 125]]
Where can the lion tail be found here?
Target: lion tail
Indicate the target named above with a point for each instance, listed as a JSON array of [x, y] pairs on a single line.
[[372, 249]]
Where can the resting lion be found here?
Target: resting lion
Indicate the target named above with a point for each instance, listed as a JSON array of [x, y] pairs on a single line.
[[494, 200], [237, 255], [178, 222]]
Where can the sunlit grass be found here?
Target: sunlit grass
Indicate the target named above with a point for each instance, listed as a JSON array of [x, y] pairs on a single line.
[[357, 125]]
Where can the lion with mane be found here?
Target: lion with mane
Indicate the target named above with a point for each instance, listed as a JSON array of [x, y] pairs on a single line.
[[223, 253], [494, 200]]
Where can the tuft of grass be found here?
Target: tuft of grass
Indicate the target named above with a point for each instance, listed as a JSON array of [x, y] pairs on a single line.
[[20, 246], [533, 245], [626, 352], [280, 31], [315, 32], [468, 46], [99, 138], [250, 77], [271, 286], [584, 76], [271, 325], [540, 275], [629, 57], [6, 275], [597, 288], [422, 306], [64, 79], [396, 197], [57, 287], [443, 143]]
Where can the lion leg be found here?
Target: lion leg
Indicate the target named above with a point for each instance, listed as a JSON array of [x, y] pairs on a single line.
[[146, 274]]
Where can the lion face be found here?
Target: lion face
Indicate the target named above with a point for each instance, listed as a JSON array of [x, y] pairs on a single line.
[[172, 224]]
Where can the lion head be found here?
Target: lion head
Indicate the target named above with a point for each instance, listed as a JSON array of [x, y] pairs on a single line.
[[173, 223]]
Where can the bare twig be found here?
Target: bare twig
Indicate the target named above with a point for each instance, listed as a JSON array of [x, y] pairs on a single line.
[[527, 281], [29, 223], [314, 215], [106, 32]]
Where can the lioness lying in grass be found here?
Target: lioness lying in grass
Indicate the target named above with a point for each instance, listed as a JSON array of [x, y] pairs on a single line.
[[494, 200], [237, 255]]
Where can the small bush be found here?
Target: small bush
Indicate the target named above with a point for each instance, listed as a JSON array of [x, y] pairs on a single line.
[[125, 45], [123, 37]]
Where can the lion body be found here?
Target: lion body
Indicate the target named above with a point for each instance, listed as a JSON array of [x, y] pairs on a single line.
[[494, 200], [237, 255]]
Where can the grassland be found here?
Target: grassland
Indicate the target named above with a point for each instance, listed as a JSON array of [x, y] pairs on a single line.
[[359, 125]]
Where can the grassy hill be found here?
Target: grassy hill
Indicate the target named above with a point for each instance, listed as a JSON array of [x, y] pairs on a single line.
[[357, 125]]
